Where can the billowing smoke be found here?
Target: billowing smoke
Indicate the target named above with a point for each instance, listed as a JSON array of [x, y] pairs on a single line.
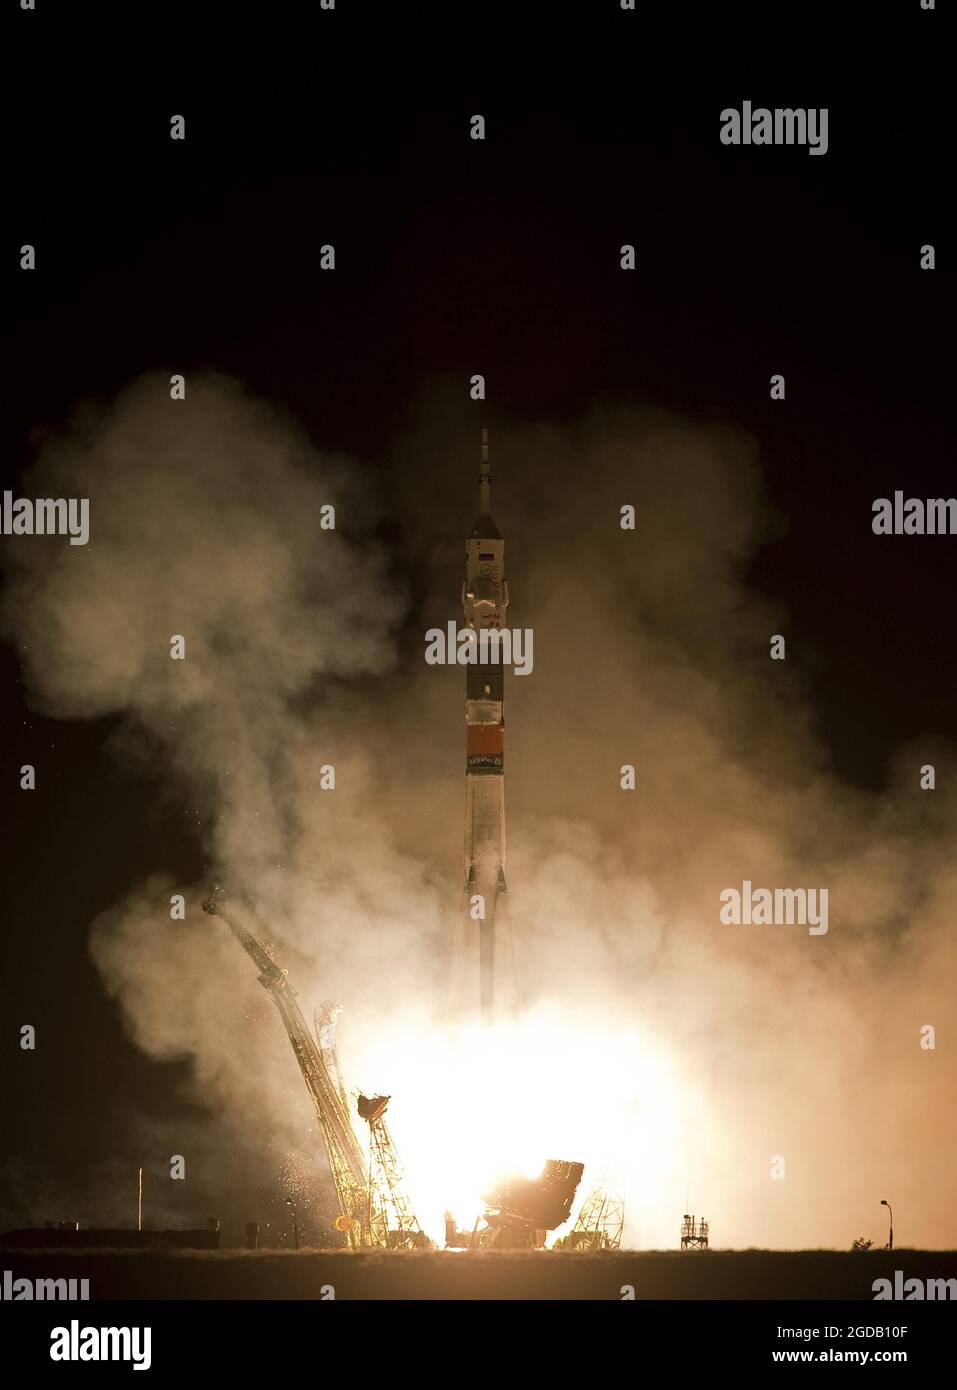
[[721, 1049]]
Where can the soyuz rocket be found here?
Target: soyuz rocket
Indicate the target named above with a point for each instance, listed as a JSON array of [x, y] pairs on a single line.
[[483, 972]]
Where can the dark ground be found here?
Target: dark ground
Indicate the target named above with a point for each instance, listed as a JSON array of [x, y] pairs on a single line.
[[655, 1274]]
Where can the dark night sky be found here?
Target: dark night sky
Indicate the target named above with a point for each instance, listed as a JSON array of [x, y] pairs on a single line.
[[456, 257]]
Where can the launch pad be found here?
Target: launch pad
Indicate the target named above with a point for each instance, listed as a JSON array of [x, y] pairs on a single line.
[[520, 1211]]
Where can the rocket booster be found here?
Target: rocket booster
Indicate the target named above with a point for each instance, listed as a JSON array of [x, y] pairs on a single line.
[[484, 603]]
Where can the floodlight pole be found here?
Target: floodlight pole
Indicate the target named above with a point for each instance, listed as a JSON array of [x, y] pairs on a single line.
[[890, 1209]]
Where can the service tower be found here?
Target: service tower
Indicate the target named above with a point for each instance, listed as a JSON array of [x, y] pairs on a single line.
[[483, 970]]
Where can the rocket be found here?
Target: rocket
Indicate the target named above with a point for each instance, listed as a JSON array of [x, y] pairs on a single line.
[[483, 965]]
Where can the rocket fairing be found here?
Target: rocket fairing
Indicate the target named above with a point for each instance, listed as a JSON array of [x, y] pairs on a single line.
[[483, 969]]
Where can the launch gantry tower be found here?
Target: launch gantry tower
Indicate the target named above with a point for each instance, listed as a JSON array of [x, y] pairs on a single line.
[[394, 1222], [394, 1225], [601, 1220], [359, 1203]]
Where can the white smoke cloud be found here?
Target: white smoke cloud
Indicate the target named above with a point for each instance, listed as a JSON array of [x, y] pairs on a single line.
[[649, 649]]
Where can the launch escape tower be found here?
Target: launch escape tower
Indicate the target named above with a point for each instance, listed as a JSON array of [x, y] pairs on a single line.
[[364, 1210], [483, 964]]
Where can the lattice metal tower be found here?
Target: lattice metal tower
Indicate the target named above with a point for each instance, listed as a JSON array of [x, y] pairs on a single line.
[[394, 1223], [694, 1233], [600, 1222]]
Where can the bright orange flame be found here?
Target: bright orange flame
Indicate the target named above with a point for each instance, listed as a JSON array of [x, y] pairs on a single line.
[[472, 1103]]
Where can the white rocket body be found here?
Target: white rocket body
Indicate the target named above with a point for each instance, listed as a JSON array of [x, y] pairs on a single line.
[[483, 968]]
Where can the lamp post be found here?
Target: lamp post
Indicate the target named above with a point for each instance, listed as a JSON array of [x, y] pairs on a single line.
[[295, 1225], [890, 1210]]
